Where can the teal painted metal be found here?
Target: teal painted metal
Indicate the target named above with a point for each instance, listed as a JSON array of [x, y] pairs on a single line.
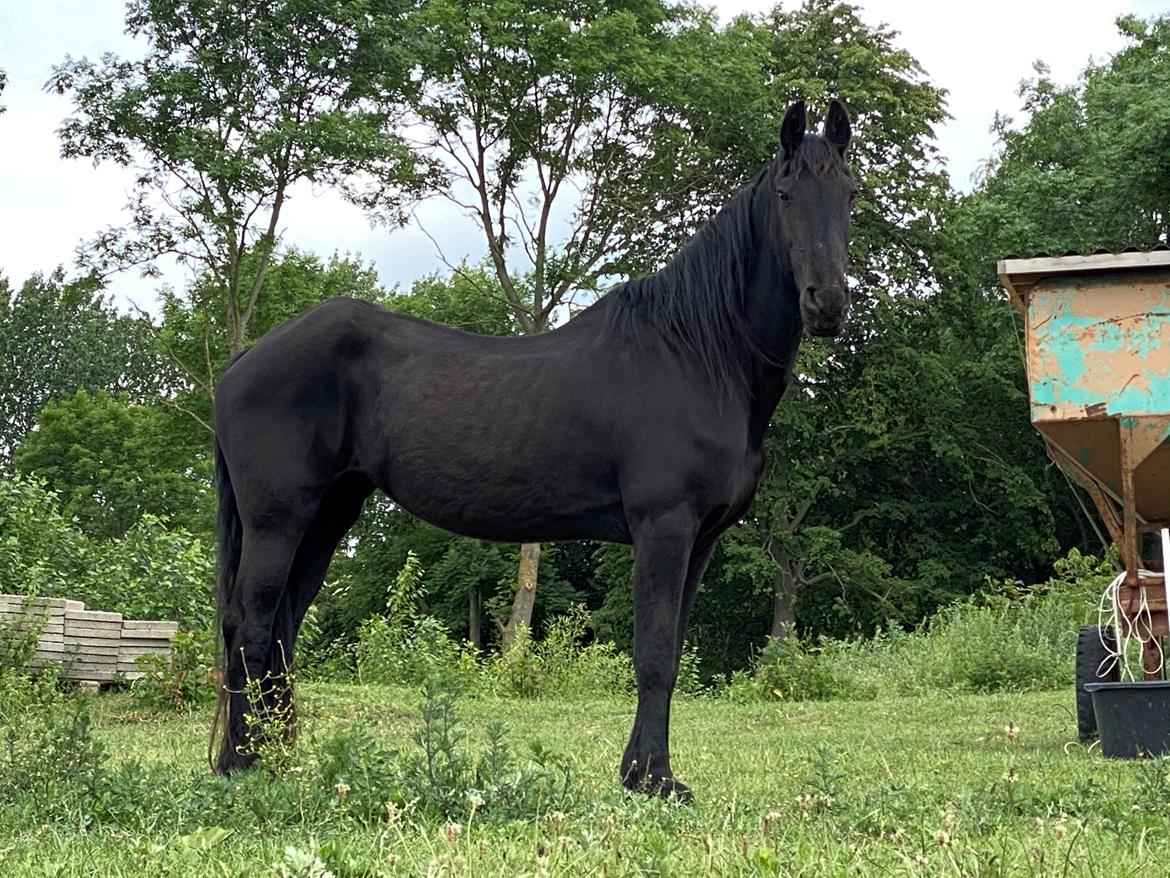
[[1090, 358]]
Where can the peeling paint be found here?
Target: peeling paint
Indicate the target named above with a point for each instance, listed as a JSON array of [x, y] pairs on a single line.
[[1099, 349]]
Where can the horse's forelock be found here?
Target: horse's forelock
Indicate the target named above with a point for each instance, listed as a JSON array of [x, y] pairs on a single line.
[[816, 157]]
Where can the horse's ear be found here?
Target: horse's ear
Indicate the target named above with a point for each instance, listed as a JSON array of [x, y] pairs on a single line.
[[837, 129], [792, 130]]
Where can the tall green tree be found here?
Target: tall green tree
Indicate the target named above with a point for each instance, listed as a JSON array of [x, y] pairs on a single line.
[[111, 461], [831, 423], [1090, 166], [232, 106], [59, 337]]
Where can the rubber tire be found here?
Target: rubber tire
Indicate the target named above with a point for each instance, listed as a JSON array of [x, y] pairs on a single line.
[[1090, 654]]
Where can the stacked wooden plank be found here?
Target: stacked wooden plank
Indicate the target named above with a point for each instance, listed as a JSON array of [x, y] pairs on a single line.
[[43, 615], [88, 644], [143, 637], [93, 638]]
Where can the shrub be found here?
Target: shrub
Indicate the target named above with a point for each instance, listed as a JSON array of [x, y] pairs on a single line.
[[561, 663], [443, 779], [1008, 637], [153, 571], [182, 681], [40, 552], [51, 767], [410, 654], [1028, 644], [18, 640], [786, 670], [404, 647]]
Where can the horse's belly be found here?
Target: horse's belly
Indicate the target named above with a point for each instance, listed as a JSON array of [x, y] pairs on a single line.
[[496, 497]]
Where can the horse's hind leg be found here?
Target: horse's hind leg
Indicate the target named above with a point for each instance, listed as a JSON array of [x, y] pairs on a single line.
[[662, 552], [270, 559], [338, 512], [254, 655]]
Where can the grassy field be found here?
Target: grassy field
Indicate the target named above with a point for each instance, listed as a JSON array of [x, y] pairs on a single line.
[[963, 785]]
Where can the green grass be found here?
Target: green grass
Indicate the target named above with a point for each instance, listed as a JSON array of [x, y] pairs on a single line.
[[959, 785]]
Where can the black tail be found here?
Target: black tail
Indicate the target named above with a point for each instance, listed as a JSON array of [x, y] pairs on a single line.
[[230, 537]]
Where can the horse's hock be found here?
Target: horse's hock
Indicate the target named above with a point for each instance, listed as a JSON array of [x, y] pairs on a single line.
[[89, 645]]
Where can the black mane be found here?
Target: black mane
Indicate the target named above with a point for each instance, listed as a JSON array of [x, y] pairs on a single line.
[[697, 299]]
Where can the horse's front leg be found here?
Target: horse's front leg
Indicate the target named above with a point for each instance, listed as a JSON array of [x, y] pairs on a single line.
[[662, 550]]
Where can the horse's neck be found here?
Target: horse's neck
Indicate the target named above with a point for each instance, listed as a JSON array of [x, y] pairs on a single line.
[[773, 314]]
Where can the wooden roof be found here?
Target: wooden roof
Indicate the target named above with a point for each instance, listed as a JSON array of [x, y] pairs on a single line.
[[1018, 275]]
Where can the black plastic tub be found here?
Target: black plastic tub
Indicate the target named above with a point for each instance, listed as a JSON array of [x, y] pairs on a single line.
[[1133, 718]]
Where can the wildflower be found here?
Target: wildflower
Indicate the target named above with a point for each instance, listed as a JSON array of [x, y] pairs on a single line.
[[342, 790], [898, 835], [943, 838], [1011, 732], [451, 832], [1010, 776], [475, 800], [556, 819]]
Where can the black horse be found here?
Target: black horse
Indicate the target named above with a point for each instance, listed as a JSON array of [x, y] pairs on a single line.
[[639, 421]]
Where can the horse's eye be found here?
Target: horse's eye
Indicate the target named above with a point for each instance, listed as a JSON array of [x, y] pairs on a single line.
[[782, 195]]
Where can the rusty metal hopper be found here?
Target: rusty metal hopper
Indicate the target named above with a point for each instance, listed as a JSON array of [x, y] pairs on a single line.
[[1098, 359]]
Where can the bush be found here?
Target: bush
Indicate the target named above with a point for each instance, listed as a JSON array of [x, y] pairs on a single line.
[[410, 653], [153, 571], [1008, 637], [50, 765], [182, 681], [560, 663], [401, 646], [18, 640], [40, 552], [786, 670], [441, 778]]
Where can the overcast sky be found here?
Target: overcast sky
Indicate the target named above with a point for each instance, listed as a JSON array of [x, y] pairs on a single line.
[[978, 52]]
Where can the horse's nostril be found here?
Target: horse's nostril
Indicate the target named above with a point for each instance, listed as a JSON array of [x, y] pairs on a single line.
[[811, 292]]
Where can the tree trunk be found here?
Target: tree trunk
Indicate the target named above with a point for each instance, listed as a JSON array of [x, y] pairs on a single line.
[[474, 613], [525, 598], [783, 602]]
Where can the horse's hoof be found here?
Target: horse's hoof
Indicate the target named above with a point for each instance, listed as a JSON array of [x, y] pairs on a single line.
[[231, 760], [669, 788], [662, 787]]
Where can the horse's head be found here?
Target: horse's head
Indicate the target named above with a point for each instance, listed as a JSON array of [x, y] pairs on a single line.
[[813, 193]]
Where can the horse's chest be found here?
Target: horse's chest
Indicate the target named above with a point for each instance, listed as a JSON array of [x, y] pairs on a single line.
[[734, 475]]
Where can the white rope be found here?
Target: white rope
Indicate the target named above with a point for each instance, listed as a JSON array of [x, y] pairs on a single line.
[[1127, 629]]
